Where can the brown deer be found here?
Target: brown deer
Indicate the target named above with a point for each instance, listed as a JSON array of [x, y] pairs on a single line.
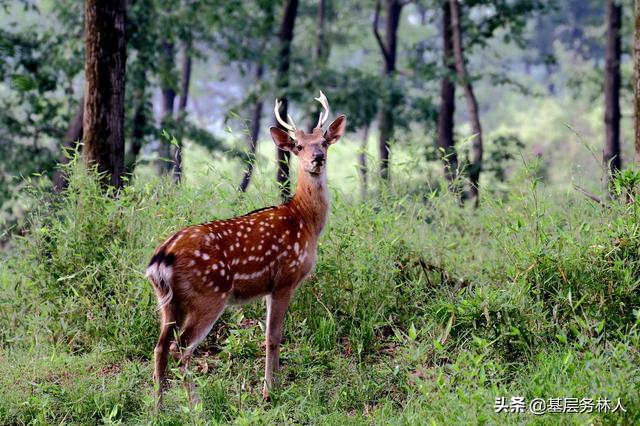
[[202, 269]]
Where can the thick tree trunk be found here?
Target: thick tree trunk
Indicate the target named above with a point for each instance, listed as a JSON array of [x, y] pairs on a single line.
[[362, 161], [448, 102], [71, 138], [168, 101], [185, 81], [611, 151], [472, 104], [286, 37], [388, 47], [105, 58], [637, 79], [256, 115]]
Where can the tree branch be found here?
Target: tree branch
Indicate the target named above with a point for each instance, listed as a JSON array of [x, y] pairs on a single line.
[[591, 196], [376, 17]]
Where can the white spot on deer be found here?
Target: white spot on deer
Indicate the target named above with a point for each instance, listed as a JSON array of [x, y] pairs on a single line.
[[223, 272], [268, 253], [214, 266], [296, 247], [216, 288], [205, 256], [192, 262], [288, 246], [239, 234], [196, 253], [244, 262], [231, 247], [238, 245], [298, 234], [261, 228]]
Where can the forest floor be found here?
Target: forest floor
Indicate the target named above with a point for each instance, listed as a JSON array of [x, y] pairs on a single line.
[[419, 312]]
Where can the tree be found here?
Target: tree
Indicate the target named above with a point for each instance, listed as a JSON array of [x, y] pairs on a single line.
[[168, 89], [185, 81], [447, 100], [472, 104], [105, 60], [256, 115], [611, 151], [388, 48], [73, 135], [282, 84]]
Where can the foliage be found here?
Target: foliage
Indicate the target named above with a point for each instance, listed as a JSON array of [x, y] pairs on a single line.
[[432, 310]]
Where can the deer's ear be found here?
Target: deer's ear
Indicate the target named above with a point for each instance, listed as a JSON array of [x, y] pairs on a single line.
[[336, 130], [282, 139]]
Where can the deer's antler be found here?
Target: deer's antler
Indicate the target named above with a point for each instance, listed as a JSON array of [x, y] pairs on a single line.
[[291, 128], [323, 114]]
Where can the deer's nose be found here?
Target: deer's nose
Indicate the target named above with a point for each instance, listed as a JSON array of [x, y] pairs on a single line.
[[318, 158]]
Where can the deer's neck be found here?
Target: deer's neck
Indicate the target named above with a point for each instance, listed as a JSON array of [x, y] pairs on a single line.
[[312, 199]]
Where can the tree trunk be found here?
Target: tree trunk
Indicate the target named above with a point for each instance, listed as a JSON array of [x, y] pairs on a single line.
[[362, 161], [472, 104], [168, 101], [447, 102], [321, 53], [388, 47], [284, 59], [637, 79], [137, 132], [185, 81], [256, 115], [611, 151], [105, 59], [72, 137]]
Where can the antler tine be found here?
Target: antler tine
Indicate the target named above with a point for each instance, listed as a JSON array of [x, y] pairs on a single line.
[[291, 128], [325, 103]]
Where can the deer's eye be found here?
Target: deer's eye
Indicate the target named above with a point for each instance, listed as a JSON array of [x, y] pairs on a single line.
[[299, 147]]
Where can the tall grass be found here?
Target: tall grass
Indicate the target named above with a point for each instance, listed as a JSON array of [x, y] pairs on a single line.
[[418, 310]]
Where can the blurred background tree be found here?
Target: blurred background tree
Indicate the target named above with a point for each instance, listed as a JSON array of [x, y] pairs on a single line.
[[199, 72]]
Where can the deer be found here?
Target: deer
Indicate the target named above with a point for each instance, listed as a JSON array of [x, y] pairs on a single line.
[[201, 270]]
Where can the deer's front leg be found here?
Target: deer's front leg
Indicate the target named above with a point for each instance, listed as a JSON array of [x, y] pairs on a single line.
[[277, 305]]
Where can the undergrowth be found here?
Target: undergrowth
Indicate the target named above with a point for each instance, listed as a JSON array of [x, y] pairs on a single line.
[[419, 311]]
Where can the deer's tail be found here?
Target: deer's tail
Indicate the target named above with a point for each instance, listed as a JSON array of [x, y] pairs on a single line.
[[160, 273]]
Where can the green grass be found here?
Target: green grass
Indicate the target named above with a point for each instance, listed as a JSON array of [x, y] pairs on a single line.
[[419, 312]]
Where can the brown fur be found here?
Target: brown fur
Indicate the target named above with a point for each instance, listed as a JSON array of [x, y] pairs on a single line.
[[201, 269]]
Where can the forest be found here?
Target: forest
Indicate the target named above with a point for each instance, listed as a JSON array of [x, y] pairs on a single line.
[[463, 174]]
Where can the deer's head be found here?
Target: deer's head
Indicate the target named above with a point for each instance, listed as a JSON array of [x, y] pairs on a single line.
[[310, 148]]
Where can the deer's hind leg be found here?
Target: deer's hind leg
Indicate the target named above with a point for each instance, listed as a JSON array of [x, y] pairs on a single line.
[[197, 324], [161, 352]]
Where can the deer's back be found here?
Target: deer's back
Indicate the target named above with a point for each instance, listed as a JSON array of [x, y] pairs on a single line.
[[249, 256]]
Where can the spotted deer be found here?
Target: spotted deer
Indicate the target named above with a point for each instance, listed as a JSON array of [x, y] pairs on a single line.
[[199, 271]]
